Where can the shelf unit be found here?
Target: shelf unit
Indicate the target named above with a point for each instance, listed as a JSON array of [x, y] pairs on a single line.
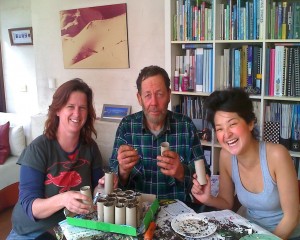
[[173, 48]]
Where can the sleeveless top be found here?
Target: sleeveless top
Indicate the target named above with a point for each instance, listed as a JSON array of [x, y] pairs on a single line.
[[263, 208]]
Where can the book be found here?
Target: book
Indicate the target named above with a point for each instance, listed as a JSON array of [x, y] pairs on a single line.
[[267, 75], [284, 21], [199, 69], [244, 66], [278, 73], [237, 68], [297, 72], [289, 21], [256, 63], [289, 77], [249, 66], [261, 19], [196, 45], [272, 72], [284, 72], [296, 20]]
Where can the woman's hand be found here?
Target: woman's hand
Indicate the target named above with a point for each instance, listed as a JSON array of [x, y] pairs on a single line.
[[201, 192], [73, 201]]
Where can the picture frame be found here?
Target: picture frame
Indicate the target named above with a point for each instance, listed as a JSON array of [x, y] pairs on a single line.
[[114, 113], [20, 36]]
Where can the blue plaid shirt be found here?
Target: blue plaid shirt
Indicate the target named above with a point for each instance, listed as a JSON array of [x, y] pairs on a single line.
[[146, 176]]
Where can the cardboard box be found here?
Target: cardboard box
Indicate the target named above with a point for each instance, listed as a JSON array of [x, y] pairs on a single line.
[[115, 228]]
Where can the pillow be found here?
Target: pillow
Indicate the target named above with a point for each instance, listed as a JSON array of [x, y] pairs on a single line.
[[17, 140], [4, 142]]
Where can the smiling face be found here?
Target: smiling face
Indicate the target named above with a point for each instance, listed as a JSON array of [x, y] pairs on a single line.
[[73, 115], [233, 133], [154, 99]]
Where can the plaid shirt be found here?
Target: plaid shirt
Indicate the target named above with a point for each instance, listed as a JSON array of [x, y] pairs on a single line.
[[146, 177]]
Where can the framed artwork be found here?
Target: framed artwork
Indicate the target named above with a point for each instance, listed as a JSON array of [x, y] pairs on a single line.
[[20, 36], [114, 113], [95, 37]]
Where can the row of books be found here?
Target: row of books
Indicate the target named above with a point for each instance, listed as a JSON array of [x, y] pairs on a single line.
[[287, 131], [284, 20], [241, 67], [193, 106], [242, 20], [283, 70], [195, 67], [193, 21]]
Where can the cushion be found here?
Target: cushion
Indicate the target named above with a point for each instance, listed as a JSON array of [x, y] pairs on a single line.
[[4, 142], [17, 140]]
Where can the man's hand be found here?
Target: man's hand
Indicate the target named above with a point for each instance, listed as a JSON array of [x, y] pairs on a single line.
[[170, 165], [127, 158]]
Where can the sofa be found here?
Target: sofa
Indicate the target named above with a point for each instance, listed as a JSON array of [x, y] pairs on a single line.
[[19, 136]]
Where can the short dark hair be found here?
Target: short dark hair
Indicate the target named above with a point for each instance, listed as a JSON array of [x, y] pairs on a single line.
[[60, 98], [230, 100], [150, 71]]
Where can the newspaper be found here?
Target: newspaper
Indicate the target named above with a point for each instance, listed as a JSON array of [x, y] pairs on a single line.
[[229, 225]]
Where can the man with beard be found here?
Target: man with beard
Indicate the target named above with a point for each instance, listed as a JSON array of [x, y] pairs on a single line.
[[136, 157]]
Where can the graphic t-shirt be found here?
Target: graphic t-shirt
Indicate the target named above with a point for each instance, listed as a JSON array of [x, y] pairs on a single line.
[[63, 172]]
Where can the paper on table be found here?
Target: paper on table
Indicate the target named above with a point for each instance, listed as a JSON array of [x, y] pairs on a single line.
[[74, 233]]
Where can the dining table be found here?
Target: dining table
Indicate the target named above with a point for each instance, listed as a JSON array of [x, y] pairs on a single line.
[[177, 220]]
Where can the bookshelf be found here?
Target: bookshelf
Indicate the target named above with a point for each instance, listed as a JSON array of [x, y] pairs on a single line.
[[225, 35]]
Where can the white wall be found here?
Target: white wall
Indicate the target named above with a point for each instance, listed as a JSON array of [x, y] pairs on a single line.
[[18, 61], [146, 46]]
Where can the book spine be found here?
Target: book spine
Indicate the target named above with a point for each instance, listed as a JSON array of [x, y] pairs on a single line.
[[244, 66], [211, 87], [237, 67], [289, 22], [199, 69], [284, 72], [249, 66], [272, 72], [254, 6], [297, 72], [284, 21], [176, 81], [261, 19], [196, 45], [279, 60], [279, 21], [203, 5], [296, 20], [289, 71]]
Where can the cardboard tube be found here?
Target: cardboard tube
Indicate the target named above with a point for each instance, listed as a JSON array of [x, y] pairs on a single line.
[[120, 213], [200, 171], [109, 212], [131, 215], [163, 147], [86, 190], [100, 209], [109, 182]]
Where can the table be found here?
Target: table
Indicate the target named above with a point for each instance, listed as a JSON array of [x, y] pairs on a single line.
[[229, 224]]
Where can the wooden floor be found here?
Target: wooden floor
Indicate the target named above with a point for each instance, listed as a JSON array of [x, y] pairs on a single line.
[[5, 223]]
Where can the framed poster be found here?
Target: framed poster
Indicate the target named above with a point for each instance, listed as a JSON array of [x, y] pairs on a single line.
[[114, 113], [20, 36], [95, 37]]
